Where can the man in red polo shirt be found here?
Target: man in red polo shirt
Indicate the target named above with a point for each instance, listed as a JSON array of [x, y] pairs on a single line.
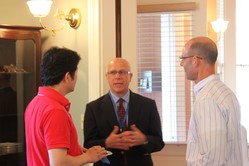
[[51, 136]]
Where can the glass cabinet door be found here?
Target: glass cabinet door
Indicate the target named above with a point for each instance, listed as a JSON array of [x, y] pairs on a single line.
[[19, 66]]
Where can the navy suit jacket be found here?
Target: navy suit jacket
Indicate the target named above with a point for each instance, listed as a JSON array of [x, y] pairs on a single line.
[[100, 119]]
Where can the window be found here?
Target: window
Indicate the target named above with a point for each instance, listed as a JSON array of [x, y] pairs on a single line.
[[242, 60], [160, 39]]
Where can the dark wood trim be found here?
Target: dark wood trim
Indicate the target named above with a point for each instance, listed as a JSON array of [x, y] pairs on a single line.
[[118, 28]]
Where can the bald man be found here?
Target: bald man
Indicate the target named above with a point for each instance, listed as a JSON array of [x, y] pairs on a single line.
[[137, 135], [214, 136]]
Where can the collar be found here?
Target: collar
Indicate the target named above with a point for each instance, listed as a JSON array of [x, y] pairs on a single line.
[[126, 97], [51, 93], [198, 87]]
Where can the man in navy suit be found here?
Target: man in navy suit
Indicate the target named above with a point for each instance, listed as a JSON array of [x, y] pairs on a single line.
[[132, 140]]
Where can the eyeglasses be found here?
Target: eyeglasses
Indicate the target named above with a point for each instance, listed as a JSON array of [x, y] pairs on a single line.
[[185, 57], [120, 72]]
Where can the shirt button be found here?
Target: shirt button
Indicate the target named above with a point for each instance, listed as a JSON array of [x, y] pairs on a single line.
[[122, 152]]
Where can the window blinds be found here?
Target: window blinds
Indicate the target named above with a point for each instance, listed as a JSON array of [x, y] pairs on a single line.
[[160, 39]]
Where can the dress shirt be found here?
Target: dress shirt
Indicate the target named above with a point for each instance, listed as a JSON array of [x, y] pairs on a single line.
[[125, 98], [214, 133]]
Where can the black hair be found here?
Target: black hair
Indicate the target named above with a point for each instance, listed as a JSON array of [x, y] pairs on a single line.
[[56, 63]]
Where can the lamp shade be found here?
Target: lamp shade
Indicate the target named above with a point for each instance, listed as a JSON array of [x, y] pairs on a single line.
[[219, 26], [39, 8]]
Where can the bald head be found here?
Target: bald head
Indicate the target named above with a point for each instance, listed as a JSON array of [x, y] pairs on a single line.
[[119, 76], [120, 62], [204, 47]]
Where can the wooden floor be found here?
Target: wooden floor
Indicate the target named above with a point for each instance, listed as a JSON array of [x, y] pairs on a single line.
[[170, 155]]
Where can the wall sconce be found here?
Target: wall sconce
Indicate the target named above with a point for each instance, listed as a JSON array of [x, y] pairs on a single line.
[[41, 8], [219, 25]]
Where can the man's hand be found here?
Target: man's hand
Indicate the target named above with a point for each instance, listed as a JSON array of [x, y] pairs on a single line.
[[134, 137], [114, 140], [95, 153]]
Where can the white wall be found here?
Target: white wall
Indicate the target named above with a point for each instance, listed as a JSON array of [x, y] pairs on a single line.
[[230, 44], [129, 42], [75, 39], [15, 12]]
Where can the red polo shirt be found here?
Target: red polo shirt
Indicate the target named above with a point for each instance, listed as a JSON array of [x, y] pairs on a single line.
[[48, 125]]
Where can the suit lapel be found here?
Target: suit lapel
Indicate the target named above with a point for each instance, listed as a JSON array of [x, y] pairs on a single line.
[[134, 110]]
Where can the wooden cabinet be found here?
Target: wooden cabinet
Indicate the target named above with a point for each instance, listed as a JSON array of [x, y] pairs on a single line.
[[20, 55]]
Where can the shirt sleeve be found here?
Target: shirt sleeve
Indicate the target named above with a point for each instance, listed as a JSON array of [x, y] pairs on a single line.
[[56, 128]]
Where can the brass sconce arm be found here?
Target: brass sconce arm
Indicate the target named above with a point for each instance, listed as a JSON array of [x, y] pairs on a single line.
[[74, 16]]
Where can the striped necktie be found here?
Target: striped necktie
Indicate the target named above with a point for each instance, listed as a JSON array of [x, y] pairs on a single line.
[[121, 110]]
